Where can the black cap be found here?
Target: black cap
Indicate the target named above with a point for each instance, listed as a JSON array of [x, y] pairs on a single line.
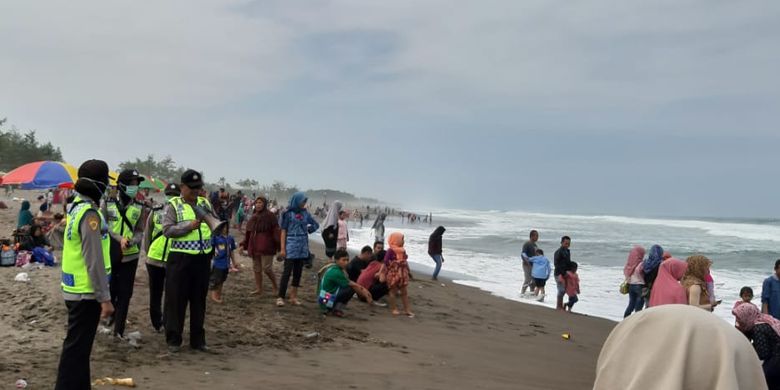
[[172, 189], [192, 178], [96, 170], [128, 175]]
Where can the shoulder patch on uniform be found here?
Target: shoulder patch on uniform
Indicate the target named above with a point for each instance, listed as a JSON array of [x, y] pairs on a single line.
[[94, 222]]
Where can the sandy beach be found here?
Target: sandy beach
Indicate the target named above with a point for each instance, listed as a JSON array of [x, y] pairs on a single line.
[[462, 338]]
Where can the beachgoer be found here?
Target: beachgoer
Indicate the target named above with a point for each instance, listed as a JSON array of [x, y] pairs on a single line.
[[710, 284], [746, 295], [379, 251], [372, 278], [770, 293], [189, 261], [155, 249], [694, 283], [330, 229], [26, 217], [359, 263], [296, 226], [124, 216], [379, 228], [562, 261], [44, 207], [529, 251], [764, 331], [667, 289], [224, 257], [435, 250], [55, 235], [540, 271], [635, 278], [261, 242], [343, 231], [336, 290], [397, 273], [86, 267], [572, 286], [677, 347], [650, 269]]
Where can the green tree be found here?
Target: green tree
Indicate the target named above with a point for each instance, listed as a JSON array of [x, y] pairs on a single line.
[[21, 148], [165, 169]]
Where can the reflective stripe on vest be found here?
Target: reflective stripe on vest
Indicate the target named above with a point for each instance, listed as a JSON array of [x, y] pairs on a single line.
[[197, 241], [75, 277], [118, 225]]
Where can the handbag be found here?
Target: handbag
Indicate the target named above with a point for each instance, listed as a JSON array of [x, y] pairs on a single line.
[[327, 299], [624, 287]]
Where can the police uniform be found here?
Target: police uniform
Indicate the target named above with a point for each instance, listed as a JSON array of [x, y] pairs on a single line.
[[124, 216], [155, 250], [188, 265], [86, 268]]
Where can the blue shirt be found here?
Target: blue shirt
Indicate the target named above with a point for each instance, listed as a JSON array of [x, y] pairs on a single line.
[[770, 294], [541, 267], [298, 226], [223, 246]]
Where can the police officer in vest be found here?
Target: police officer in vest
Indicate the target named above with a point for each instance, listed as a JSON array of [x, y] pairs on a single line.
[[125, 217], [189, 262], [154, 251], [86, 267]]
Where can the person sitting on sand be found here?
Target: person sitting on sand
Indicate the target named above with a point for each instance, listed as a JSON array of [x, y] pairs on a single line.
[[764, 331], [336, 290], [572, 287], [397, 273], [224, 256], [694, 282], [540, 271], [682, 348], [26, 217], [379, 251], [359, 263], [667, 289], [372, 278]]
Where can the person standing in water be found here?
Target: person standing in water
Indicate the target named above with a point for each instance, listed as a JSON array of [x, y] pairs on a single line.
[[379, 227], [435, 250], [562, 262], [529, 251]]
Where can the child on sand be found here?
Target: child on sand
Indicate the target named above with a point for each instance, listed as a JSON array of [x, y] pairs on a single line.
[[540, 272], [343, 235], [397, 270], [746, 293], [224, 246], [572, 287]]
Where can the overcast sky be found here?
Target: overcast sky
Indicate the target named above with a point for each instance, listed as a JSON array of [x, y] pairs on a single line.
[[642, 108]]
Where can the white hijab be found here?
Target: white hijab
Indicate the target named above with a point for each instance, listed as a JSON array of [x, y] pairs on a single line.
[[677, 347], [333, 215]]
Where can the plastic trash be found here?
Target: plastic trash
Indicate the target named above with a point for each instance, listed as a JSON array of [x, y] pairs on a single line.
[[128, 382], [566, 336], [21, 384], [22, 277], [312, 335]]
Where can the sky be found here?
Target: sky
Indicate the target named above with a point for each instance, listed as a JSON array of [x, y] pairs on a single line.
[[660, 108]]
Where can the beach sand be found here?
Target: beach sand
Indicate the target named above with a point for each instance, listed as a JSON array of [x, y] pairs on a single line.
[[462, 338]]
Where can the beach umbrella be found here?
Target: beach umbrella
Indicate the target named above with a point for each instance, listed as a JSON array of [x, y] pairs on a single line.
[[41, 175]]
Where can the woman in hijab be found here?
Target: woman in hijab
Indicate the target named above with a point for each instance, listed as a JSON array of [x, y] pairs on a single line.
[[695, 284], [25, 216], [379, 228], [667, 289], [635, 279], [330, 229], [397, 272], [650, 268], [677, 347], [764, 331], [296, 225], [435, 250], [261, 241]]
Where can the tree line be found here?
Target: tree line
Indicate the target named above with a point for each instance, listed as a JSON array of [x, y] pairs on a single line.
[[19, 148]]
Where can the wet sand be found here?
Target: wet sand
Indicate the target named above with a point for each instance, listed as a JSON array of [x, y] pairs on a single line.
[[461, 338]]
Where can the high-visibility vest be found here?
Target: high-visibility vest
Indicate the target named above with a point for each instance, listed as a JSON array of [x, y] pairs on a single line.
[[160, 246], [121, 227], [75, 278], [197, 241]]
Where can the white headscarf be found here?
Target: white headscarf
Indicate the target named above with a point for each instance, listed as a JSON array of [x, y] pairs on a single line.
[[333, 215], [677, 347]]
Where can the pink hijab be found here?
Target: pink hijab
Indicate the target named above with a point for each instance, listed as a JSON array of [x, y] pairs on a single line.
[[634, 259], [667, 289], [749, 316]]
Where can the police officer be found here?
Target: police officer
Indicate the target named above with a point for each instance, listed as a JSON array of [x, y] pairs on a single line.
[[155, 249], [86, 267], [125, 216], [189, 261]]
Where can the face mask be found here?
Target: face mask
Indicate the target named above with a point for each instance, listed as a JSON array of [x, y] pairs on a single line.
[[131, 191]]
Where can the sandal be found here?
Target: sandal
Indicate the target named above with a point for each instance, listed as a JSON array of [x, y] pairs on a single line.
[[410, 314], [279, 302], [295, 302]]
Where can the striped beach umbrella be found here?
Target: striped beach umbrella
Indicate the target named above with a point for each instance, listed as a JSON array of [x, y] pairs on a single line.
[[41, 175]]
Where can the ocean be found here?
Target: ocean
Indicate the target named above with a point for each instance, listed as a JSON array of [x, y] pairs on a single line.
[[482, 249]]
